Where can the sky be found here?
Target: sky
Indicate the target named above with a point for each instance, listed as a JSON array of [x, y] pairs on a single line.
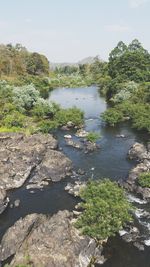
[[70, 30]]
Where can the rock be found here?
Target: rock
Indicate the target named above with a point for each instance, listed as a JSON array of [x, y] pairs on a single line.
[[90, 147], [74, 189], [32, 158], [138, 152], [74, 144], [80, 172], [147, 242], [81, 133], [139, 246], [54, 166], [76, 213], [48, 242], [4, 200], [142, 155], [70, 124], [120, 136], [131, 235], [67, 136], [15, 236], [17, 203], [65, 128]]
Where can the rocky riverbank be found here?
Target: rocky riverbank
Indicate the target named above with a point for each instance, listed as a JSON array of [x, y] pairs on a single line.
[[43, 241], [141, 155], [40, 240], [29, 159]]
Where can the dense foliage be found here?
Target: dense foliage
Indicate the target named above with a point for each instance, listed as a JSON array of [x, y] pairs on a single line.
[[144, 179], [16, 60], [23, 109], [128, 88], [105, 209]]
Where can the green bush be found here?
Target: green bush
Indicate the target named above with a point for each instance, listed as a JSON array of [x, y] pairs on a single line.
[[72, 114], [15, 119], [92, 137], [112, 116], [46, 126], [144, 179], [43, 108], [25, 97], [105, 209]]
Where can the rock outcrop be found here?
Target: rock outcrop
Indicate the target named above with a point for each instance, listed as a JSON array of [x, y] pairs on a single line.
[[32, 158], [139, 153], [48, 242]]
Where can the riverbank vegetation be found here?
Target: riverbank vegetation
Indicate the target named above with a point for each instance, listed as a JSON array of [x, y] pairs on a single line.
[[144, 179], [128, 87], [22, 109], [105, 209], [124, 81]]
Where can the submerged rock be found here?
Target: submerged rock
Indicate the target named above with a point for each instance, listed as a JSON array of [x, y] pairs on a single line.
[[91, 146], [48, 242], [120, 136], [17, 203], [74, 144], [67, 136]]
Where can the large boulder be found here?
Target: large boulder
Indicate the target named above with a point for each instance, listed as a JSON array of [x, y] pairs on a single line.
[[24, 158], [142, 155], [138, 152], [48, 242]]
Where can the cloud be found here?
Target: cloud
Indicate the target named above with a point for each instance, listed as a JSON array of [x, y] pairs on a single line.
[[137, 3], [117, 28]]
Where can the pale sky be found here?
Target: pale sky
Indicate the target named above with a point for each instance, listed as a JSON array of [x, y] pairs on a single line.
[[69, 30]]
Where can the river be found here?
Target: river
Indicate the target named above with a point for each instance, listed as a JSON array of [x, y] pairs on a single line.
[[108, 161]]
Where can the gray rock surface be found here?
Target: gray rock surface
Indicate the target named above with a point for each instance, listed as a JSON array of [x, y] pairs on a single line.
[[74, 189], [142, 155], [48, 242], [35, 157]]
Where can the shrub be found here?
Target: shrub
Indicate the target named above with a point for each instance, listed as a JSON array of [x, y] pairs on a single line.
[[144, 179], [106, 209], [93, 137], [43, 108], [72, 114], [46, 126], [15, 119], [25, 97], [112, 116]]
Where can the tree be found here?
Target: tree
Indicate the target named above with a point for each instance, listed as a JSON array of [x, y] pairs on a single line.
[[37, 64], [132, 62]]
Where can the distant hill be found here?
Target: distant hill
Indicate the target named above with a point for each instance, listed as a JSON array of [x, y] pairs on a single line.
[[87, 60]]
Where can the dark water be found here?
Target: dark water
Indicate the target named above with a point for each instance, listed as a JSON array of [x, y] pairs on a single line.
[[109, 161]]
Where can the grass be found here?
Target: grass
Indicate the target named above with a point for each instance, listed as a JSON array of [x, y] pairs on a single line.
[[93, 137]]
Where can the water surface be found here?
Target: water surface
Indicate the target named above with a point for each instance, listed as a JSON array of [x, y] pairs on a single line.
[[109, 161]]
